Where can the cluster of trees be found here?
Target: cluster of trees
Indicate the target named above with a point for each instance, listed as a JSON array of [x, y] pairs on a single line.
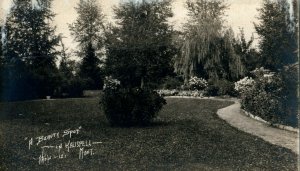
[[141, 48], [29, 53], [211, 50], [278, 34]]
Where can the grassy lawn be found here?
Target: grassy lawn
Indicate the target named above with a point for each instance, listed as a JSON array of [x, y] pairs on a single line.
[[187, 135]]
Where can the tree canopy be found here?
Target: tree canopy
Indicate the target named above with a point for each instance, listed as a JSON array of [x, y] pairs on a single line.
[[88, 30], [29, 50], [139, 48], [277, 31], [206, 49]]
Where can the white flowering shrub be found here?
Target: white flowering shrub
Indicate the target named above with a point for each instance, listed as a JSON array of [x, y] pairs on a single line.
[[173, 92], [194, 93], [244, 84], [196, 83], [111, 83]]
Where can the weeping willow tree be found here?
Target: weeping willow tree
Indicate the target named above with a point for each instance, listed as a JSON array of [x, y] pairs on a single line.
[[206, 48]]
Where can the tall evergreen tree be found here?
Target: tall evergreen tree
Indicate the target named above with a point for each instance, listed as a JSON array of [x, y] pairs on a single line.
[[70, 85], [88, 31], [30, 49], [140, 49], [64, 67], [1, 63], [206, 50], [90, 70], [1, 47], [278, 41]]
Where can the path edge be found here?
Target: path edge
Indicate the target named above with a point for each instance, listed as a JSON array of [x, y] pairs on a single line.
[[242, 111]]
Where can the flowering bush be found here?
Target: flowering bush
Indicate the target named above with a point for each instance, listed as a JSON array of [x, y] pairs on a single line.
[[110, 83], [173, 92], [194, 93], [196, 83], [244, 84], [190, 93], [263, 96]]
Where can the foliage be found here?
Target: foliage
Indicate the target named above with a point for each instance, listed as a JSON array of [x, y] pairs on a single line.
[[290, 78], [139, 52], [88, 30], [131, 107], [172, 82], [211, 90], [90, 70], [1, 62], [207, 47], [111, 84], [139, 48], [225, 87], [221, 87], [244, 84], [267, 97], [196, 83], [29, 51], [88, 27], [277, 31], [71, 85], [66, 66], [165, 92], [248, 55], [174, 92]]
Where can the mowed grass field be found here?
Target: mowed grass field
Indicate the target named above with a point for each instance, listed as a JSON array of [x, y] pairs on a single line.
[[187, 135]]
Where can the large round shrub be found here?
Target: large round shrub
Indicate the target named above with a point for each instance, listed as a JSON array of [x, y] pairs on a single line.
[[131, 106], [265, 97], [196, 83]]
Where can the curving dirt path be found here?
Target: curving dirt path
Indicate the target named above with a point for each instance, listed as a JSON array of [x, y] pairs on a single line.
[[232, 115]]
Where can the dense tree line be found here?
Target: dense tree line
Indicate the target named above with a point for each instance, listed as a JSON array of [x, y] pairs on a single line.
[[29, 51], [140, 49]]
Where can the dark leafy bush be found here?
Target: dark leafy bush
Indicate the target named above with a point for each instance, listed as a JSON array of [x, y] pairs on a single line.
[[267, 98], [226, 88], [263, 104], [220, 88], [131, 106], [70, 88], [290, 79], [211, 90], [172, 83]]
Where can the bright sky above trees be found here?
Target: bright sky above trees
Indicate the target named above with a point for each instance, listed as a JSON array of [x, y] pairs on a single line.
[[241, 13]]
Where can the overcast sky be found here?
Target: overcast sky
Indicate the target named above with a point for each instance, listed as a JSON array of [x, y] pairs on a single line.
[[241, 14]]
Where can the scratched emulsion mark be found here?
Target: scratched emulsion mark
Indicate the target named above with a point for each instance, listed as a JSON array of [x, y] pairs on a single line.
[[58, 145]]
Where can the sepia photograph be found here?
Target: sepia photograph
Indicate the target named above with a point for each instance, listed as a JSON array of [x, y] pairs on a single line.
[[191, 85]]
